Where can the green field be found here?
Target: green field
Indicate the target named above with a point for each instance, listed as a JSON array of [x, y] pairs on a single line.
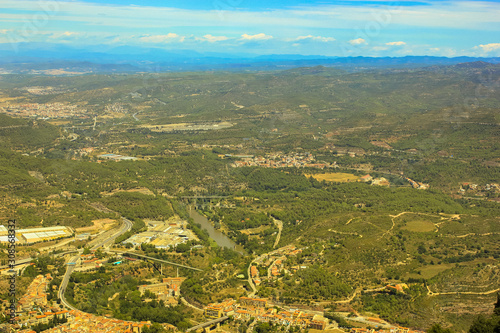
[[334, 177], [419, 226]]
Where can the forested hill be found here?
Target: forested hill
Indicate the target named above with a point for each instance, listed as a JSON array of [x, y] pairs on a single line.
[[17, 133]]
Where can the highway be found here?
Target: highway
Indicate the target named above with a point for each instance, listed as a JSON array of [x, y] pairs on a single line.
[[28, 260], [108, 237], [18, 262], [101, 240]]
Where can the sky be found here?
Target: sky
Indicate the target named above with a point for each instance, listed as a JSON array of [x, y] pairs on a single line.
[[256, 27]]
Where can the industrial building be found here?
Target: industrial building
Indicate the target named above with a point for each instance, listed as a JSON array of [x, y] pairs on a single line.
[[35, 235]]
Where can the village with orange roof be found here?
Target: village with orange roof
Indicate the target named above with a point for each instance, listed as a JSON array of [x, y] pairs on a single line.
[[33, 309]]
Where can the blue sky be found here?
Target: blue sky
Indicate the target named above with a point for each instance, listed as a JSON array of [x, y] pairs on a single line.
[[258, 27]]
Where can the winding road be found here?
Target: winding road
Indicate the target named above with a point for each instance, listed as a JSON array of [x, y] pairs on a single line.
[[109, 236], [279, 224], [431, 293], [101, 240]]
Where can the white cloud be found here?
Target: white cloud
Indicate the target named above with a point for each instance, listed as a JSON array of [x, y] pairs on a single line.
[[161, 38], [380, 48], [315, 38], [481, 15], [94, 21], [64, 35], [487, 48], [212, 39], [395, 43], [260, 36], [357, 41]]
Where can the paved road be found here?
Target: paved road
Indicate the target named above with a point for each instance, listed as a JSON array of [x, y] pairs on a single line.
[[28, 260], [279, 224], [185, 302], [109, 236], [70, 266], [100, 241], [259, 260], [60, 244], [18, 263]]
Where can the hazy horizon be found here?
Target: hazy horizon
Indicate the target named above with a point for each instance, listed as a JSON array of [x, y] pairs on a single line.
[[256, 28]]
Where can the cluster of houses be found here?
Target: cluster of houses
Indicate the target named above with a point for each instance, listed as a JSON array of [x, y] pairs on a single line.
[[279, 160], [392, 330], [274, 262], [45, 90], [384, 182], [33, 309], [259, 309], [79, 322], [36, 295], [167, 291], [374, 181], [90, 261], [479, 190], [45, 111], [254, 273], [117, 158]]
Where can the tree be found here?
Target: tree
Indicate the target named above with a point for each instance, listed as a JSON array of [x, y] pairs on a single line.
[[99, 254], [481, 325], [181, 248], [436, 328], [155, 328], [262, 328], [496, 310], [183, 325]]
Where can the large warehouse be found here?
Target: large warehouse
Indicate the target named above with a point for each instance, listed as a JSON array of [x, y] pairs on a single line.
[[35, 235]]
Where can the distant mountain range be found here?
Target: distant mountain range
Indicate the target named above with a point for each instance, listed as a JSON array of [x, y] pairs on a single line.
[[32, 58]]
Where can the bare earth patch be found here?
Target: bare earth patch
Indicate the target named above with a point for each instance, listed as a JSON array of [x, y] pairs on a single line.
[[142, 190], [254, 231], [102, 224]]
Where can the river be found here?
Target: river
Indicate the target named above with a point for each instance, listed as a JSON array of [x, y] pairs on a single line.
[[221, 239]]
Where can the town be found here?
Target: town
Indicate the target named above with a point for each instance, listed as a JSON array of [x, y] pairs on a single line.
[[280, 160], [45, 111]]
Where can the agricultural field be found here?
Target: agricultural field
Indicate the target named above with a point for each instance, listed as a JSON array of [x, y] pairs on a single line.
[[334, 177]]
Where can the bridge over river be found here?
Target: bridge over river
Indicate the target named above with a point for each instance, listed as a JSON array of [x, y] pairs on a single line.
[[206, 325]]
